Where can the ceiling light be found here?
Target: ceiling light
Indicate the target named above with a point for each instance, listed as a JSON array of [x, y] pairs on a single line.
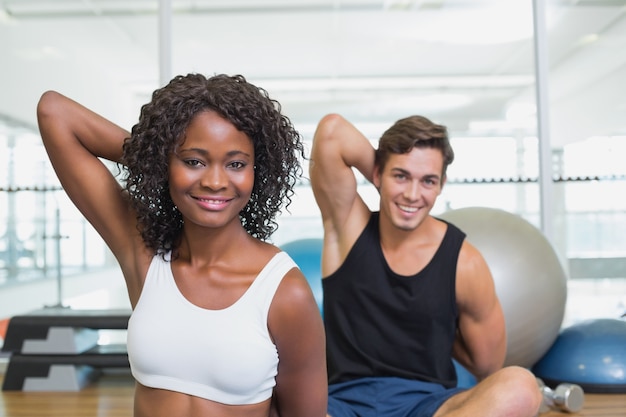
[[5, 17], [588, 39]]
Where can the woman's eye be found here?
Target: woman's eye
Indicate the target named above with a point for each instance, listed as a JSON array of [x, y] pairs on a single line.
[[192, 162], [237, 165]]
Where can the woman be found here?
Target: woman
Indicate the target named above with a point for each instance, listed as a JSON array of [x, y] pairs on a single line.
[[223, 323]]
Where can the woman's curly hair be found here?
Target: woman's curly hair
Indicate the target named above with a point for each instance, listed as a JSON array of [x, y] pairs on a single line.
[[161, 128]]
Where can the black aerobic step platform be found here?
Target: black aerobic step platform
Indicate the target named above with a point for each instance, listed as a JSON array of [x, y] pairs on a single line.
[[36, 325], [61, 372], [56, 348]]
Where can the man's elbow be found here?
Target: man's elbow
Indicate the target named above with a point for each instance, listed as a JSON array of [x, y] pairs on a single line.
[[328, 126]]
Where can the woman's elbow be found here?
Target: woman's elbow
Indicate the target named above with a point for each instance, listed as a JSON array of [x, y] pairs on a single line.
[[48, 103]]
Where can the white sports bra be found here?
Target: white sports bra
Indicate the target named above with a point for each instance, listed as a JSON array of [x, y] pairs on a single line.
[[224, 355]]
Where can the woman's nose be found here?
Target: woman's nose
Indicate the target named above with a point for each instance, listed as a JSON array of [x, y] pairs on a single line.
[[215, 178]]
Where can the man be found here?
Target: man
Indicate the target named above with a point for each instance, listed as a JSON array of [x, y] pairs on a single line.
[[403, 291]]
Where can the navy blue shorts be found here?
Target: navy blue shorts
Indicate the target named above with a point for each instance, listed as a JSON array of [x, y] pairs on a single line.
[[386, 397]]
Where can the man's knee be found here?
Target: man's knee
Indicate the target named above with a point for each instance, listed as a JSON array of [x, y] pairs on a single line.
[[519, 388], [511, 391]]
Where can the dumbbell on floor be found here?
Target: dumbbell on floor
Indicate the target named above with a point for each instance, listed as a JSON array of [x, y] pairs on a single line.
[[565, 397]]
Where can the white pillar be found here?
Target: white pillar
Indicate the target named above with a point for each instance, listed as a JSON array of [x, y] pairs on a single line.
[[165, 41], [543, 126]]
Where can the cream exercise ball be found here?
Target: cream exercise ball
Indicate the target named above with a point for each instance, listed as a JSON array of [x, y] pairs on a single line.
[[529, 278]]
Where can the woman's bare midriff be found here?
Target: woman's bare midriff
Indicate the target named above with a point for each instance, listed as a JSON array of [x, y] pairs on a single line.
[[150, 402]]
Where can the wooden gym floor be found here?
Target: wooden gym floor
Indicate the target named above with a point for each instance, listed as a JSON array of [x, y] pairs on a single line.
[[112, 396]]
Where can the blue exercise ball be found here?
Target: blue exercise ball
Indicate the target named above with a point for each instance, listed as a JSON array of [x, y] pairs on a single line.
[[591, 353], [464, 378], [307, 254]]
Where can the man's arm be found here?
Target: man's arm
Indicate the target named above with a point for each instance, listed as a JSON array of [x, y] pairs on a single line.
[[481, 340], [338, 147]]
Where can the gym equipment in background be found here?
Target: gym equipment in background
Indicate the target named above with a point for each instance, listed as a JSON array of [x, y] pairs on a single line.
[[464, 378], [56, 348], [529, 278], [565, 397], [591, 353]]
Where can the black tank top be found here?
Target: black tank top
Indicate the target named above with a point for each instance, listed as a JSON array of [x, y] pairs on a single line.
[[379, 323]]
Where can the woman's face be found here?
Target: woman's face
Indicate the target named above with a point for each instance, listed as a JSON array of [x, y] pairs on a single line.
[[211, 174]]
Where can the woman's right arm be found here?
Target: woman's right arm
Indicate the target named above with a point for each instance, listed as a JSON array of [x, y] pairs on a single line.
[[75, 139]]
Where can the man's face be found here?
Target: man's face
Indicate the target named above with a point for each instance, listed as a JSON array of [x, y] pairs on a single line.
[[409, 185]]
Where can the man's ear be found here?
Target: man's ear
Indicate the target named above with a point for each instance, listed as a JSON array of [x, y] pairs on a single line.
[[376, 177]]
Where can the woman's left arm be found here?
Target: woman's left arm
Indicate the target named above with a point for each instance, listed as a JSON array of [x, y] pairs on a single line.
[[296, 325]]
